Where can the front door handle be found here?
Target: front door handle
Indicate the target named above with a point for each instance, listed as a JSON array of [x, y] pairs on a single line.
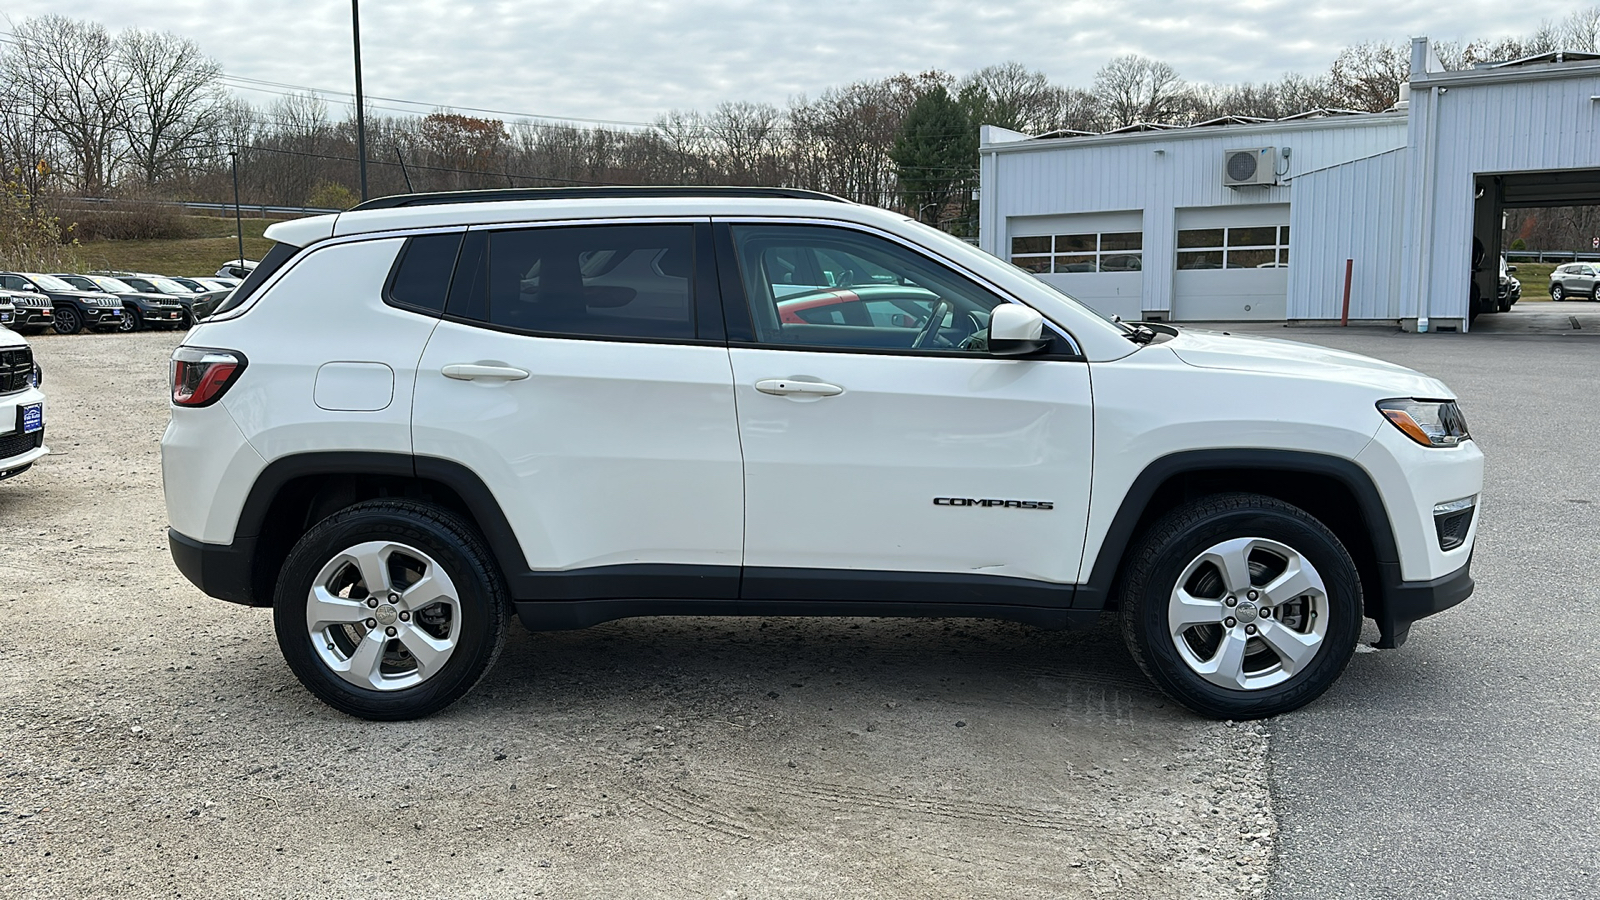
[[783, 386], [473, 372]]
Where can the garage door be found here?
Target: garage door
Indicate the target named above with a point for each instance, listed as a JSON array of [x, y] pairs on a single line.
[[1232, 263], [1097, 258]]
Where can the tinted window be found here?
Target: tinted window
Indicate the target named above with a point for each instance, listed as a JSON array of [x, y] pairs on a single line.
[[598, 281], [831, 287], [271, 263], [422, 277]]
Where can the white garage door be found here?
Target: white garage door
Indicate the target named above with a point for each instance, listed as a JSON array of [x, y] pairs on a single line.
[[1096, 257], [1232, 263]]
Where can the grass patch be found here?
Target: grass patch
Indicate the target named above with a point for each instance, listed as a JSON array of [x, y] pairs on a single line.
[[1535, 278], [211, 243]]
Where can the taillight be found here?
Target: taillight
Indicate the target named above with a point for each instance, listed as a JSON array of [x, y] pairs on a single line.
[[200, 376]]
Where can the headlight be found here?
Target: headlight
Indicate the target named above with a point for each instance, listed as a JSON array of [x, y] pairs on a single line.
[[1431, 423]]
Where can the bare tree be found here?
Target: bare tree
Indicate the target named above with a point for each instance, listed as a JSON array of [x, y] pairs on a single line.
[[69, 71], [177, 102], [1368, 75], [1137, 89]]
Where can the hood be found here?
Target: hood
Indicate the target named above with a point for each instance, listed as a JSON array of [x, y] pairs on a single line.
[[1215, 350], [9, 338], [151, 298]]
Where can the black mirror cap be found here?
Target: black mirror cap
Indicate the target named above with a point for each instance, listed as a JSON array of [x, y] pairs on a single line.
[[1018, 347]]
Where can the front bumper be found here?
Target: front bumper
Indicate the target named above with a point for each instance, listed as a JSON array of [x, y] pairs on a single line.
[[1407, 601]]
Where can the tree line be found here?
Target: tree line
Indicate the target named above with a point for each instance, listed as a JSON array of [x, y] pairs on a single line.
[[139, 113]]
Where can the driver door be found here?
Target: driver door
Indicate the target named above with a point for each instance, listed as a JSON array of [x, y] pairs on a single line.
[[880, 439]]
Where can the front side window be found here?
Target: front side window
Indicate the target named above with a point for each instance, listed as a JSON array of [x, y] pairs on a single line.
[[828, 287], [627, 281]]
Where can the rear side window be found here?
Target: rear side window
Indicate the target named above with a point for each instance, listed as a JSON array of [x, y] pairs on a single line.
[[272, 262], [421, 277], [623, 281]]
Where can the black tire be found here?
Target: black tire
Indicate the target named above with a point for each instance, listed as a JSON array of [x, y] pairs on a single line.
[[131, 320], [455, 546], [1182, 537], [68, 320], [1557, 293]]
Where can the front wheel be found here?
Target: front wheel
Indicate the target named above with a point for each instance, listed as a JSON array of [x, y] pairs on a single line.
[[67, 320], [1241, 606], [131, 320], [390, 609]]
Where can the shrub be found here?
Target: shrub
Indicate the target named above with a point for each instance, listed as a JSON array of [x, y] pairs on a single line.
[[129, 217], [32, 240]]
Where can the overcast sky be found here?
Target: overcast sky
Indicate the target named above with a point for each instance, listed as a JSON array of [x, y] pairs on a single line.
[[629, 61]]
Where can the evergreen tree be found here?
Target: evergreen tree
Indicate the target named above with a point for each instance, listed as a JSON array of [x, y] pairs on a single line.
[[935, 155]]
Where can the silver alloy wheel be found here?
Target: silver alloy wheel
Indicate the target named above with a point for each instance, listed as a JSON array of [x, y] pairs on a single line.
[[383, 616], [1248, 613]]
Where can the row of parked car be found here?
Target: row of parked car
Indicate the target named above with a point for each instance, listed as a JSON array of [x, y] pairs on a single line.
[[31, 302]]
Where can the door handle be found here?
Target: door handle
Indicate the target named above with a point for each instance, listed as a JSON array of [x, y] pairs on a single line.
[[782, 386], [473, 372]]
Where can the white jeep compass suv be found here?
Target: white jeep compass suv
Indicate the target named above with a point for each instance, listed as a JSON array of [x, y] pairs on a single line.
[[418, 416], [21, 407]]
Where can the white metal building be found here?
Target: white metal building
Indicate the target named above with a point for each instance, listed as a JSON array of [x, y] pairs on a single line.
[[1244, 219]]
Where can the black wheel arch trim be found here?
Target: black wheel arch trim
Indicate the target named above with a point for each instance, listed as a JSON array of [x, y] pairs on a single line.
[[1389, 608]]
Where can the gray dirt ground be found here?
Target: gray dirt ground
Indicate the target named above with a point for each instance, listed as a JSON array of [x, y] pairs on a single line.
[[152, 743]]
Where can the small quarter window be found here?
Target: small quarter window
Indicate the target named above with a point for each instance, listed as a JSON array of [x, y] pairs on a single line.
[[422, 278]]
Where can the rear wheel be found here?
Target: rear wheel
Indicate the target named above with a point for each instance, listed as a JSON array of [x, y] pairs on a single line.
[[1557, 292], [1241, 606], [68, 320], [390, 610]]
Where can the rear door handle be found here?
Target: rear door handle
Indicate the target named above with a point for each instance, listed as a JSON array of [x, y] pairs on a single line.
[[474, 372], [782, 386]]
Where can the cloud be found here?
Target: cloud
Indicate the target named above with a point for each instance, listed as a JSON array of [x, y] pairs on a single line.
[[630, 61]]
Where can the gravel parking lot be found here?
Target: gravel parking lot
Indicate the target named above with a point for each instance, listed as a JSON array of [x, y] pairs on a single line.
[[152, 740]]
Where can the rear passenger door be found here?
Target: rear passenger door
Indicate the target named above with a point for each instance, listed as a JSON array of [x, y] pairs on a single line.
[[577, 372]]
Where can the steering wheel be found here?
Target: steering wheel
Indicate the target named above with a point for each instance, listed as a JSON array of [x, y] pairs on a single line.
[[931, 328]]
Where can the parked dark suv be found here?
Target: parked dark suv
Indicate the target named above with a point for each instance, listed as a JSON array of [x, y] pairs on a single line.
[[74, 309], [140, 308], [30, 313]]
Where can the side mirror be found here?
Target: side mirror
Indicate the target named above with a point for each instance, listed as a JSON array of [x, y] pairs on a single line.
[[1511, 270], [1016, 330]]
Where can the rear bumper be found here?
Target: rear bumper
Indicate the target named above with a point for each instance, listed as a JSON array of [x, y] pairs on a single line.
[[1407, 601], [220, 570]]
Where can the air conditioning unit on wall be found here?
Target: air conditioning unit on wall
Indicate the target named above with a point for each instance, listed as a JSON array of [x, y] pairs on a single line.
[[1252, 166]]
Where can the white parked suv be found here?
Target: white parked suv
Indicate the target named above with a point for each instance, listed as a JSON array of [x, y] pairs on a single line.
[[21, 406], [421, 415]]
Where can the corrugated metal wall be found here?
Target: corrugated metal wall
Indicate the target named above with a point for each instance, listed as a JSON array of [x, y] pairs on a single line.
[[1539, 118], [1348, 212], [1163, 172]]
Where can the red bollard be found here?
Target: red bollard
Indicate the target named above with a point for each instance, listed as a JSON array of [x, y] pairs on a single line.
[[1344, 317]]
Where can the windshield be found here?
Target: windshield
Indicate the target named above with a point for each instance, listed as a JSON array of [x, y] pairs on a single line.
[[168, 286], [51, 283], [112, 285]]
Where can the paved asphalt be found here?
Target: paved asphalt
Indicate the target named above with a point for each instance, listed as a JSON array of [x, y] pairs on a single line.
[[1465, 764]]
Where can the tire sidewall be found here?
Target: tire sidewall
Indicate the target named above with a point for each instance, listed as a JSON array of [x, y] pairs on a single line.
[[130, 320], [67, 314], [482, 604], [1306, 536]]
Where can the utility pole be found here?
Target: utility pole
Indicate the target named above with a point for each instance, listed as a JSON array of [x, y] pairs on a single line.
[[361, 111], [238, 217]]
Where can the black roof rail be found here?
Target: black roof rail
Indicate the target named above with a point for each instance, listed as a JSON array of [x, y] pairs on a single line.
[[497, 195]]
